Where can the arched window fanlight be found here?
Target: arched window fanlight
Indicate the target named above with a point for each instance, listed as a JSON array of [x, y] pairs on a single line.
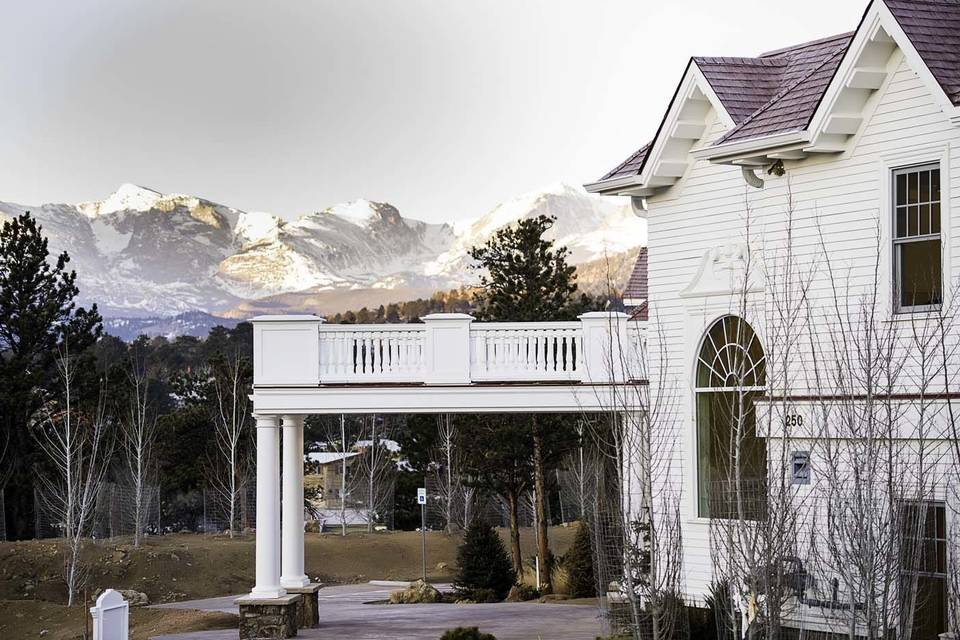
[[731, 357], [731, 371]]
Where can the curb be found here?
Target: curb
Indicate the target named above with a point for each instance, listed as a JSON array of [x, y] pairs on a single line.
[[390, 583]]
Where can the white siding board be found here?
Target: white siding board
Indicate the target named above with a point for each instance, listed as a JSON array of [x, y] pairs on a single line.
[[841, 194]]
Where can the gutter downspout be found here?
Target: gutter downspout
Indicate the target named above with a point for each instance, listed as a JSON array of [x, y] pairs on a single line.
[[751, 178]]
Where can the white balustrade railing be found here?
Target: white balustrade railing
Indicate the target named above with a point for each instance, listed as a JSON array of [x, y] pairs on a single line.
[[372, 353], [526, 351], [446, 349]]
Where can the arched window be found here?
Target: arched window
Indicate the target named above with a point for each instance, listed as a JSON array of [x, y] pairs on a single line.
[[731, 460]]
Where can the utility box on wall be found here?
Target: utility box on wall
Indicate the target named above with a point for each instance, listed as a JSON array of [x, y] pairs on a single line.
[[800, 467]]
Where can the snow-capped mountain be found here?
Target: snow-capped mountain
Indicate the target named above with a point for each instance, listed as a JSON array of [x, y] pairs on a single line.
[[141, 253], [358, 244], [588, 225]]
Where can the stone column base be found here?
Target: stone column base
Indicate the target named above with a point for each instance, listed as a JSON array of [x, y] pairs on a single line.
[[309, 607], [269, 618]]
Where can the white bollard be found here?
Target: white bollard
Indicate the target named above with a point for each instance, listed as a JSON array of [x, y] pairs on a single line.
[[111, 617]]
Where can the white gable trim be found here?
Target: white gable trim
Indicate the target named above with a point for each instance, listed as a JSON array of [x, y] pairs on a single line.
[[878, 25], [708, 91], [684, 124], [660, 171], [916, 62]]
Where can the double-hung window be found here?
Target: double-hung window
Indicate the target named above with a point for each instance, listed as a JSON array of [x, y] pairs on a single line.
[[918, 269]]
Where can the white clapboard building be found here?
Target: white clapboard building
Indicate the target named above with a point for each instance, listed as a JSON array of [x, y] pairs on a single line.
[[803, 267]]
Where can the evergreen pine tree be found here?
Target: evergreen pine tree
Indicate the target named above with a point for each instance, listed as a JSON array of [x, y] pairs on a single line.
[[37, 313], [525, 278], [500, 462], [484, 571], [578, 564]]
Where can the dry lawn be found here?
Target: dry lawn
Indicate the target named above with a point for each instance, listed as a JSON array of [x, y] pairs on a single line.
[[31, 618], [189, 566]]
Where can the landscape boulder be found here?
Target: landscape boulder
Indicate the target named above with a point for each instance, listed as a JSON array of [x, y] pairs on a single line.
[[134, 598], [419, 592]]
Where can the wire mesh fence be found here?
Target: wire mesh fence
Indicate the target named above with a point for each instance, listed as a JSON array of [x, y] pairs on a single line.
[[218, 512], [115, 513], [576, 491], [467, 503]]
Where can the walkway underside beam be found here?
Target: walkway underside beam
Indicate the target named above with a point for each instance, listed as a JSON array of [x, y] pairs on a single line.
[[471, 398]]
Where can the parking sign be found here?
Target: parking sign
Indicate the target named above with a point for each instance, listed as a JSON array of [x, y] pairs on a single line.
[[421, 495]]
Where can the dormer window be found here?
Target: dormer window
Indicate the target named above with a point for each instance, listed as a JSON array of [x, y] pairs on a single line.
[[918, 270]]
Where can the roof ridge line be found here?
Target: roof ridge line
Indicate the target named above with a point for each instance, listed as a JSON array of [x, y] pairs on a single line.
[[758, 60], [776, 53], [780, 95]]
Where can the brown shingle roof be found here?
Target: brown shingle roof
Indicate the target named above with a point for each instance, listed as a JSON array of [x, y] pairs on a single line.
[[780, 91], [810, 68], [933, 27], [637, 288], [746, 86], [743, 84], [632, 166]]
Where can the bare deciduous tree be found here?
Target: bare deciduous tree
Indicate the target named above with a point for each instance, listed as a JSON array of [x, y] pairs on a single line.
[[340, 437], [446, 471], [138, 434], [576, 477], [229, 464], [637, 534], [881, 445], [376, 469], [74, 434]]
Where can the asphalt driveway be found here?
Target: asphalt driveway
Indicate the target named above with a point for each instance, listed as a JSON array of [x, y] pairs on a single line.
[[344, 616]]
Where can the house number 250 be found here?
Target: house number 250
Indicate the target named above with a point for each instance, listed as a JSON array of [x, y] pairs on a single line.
[[793, 420]]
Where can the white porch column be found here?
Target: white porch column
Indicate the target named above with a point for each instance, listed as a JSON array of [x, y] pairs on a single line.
[[291, 554], [268, 509]]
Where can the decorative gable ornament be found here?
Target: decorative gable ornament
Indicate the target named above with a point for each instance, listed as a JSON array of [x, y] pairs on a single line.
[[722, 272]]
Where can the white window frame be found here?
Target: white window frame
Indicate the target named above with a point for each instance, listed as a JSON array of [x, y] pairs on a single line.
[[896, 243]]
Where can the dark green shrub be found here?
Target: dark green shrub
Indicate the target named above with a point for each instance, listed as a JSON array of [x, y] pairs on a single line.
[[485, 595], [523, 593], [578, 565], [483, 566], [466, 633]]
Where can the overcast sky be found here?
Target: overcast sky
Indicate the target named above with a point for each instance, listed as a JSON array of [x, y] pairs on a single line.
[[442, 107]]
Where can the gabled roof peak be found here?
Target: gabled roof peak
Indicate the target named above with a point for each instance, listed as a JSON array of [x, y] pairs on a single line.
[[798, 100]]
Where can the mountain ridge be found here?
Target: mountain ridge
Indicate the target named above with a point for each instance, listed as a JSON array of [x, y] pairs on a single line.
[[140, 253]]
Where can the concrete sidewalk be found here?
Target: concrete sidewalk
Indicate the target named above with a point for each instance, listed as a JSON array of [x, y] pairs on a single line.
[[344, 616]]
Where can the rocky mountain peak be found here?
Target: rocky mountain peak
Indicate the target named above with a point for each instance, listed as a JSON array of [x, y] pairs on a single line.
[[128, 197], [363, 213]]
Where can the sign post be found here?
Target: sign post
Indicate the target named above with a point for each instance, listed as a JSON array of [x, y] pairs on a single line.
[[422, 501]]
